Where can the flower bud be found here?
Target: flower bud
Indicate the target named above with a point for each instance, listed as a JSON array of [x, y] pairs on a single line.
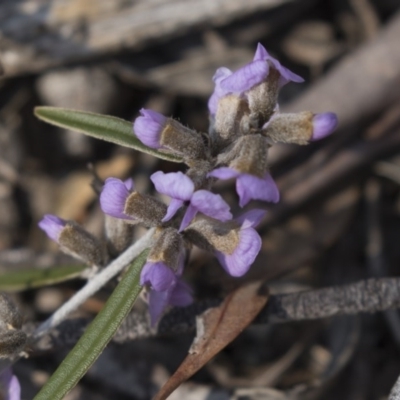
[[157, 131], [168, 248], [247, 162], [323, 125], [119, 234], [145, 209], [300, 128], [235, 243], [9, 313], [74, 240], [12, 338], [148, 127], [232, 113], [290, 128]]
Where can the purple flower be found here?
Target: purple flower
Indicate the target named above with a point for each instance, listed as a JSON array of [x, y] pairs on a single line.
[[9, 385], [249, 187], [148, 127], [114, 195], [179, 294], [158, 275], [324, 124], [181, 188], [249, 244], [220, 74], [251, 75], [286, 74], [52, 225]]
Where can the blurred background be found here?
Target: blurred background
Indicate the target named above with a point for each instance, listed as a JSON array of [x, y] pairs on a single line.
[[337, 222]]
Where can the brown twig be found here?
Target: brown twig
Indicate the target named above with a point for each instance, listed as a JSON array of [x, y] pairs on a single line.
[[371, 295]]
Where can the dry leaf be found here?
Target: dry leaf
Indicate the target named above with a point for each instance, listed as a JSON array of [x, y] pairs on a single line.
[[216, 328]]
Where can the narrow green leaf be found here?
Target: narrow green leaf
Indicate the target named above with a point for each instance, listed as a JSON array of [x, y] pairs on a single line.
[[96, 336], [14, 281], [105, 127]]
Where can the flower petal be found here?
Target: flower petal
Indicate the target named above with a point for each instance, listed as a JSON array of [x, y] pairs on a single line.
[[324, 124], [221, 74], [52, 225], [239, 262], [173, 207], [251, 219], [286, 74], [187, 218], [9, 385], [158, 275], [181, 295], [250, 187], [113, 197], [148, 127], [157, 303], [261, 53], [174, 184], [224, 173], [246, 77], [211, 204]]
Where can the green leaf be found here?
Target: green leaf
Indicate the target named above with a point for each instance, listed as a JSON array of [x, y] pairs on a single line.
[[32, 278], [105, 127], [96, 336]]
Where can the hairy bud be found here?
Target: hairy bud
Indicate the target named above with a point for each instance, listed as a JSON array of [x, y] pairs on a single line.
[[79, 243], [213, 235], [168, 248], [183, 140], [119, 234], [290, 128], [263, 98], [12, 338], [145, 209], [232, 112]]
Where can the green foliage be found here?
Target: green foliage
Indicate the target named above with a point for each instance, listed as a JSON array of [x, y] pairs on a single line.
[[104, 127], [32, 277], [97, 335]]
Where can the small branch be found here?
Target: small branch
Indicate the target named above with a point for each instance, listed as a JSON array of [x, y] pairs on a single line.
[[92, 286], [395, 392], [371, 295]]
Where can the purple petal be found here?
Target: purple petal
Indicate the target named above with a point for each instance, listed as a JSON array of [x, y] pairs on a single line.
[[211, 204], [246, 77], [251, 219], [221, 74], [113, 198], [158, 275], [52, 225], [181, 295], [250, 187], [261, 53], [157, 303], [129, 184], [174, 184], [14, 389], [10, 384], [224, 173], [324, 124], [286, 74], [239, 262], [173, 207], [148, 127], [187, 218]]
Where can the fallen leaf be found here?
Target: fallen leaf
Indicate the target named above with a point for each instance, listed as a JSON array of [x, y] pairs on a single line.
[[216, 328]]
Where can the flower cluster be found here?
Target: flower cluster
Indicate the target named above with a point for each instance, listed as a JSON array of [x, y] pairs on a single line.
[[245, 123]]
